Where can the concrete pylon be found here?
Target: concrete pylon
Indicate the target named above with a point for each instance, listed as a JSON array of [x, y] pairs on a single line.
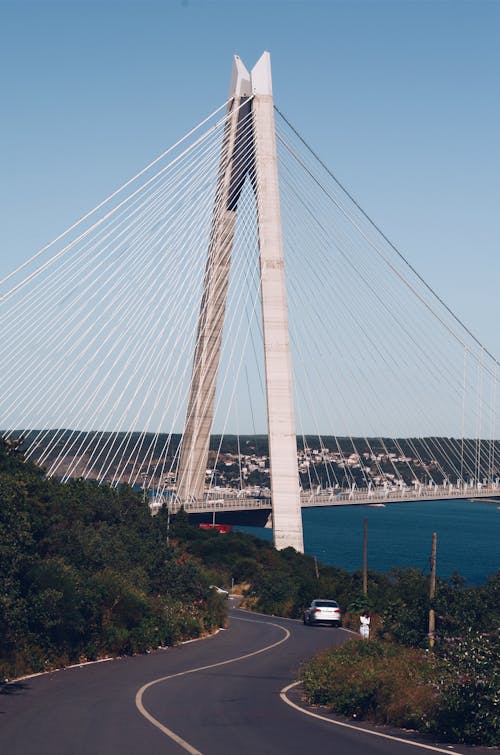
[[232, 171], [250, 149]]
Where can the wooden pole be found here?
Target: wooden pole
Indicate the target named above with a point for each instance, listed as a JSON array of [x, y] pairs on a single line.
[[432, 592], [365, 556]]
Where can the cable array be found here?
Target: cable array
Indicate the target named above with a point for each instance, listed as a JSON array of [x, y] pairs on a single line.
[[99, 334], [99, 329], [387, 372]]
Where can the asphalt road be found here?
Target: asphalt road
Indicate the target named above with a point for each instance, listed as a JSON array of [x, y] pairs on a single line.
[[215, 696]]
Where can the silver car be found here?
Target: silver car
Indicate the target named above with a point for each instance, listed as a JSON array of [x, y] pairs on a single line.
[[323, 612]]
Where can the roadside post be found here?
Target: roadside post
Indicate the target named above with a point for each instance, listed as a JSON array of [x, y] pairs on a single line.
[[432, 592]]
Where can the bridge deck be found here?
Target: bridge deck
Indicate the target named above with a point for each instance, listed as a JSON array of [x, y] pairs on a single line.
[[231, 502]]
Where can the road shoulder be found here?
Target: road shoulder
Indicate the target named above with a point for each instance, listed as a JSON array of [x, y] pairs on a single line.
[[293, 695]]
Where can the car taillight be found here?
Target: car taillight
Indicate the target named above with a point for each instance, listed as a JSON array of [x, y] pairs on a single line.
[[316, 610]]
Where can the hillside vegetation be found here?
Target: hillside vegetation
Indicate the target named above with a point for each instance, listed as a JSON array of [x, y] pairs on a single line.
[[85, 572]]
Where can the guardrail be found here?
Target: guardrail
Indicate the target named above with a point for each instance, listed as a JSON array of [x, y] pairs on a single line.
[[381, 495], [308, 499]]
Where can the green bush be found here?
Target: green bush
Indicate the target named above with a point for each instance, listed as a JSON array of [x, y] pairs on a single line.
[[372, 680], [469, 706], [453, 695], [85, 571]]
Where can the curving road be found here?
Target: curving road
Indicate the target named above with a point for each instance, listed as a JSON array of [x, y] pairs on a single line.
[[220, 695]]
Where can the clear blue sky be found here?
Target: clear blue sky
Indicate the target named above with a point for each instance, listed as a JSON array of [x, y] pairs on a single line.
[[401, 100]]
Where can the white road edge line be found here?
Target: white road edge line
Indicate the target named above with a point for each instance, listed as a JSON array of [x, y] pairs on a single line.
[[411, 742], [100, 660], [168, 732]]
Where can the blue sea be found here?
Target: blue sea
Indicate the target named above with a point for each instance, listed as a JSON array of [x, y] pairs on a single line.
[[400, 534]]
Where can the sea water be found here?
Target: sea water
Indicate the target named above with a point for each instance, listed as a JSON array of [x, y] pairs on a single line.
[[400, 534]]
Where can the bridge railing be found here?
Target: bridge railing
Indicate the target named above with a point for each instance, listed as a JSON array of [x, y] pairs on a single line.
[[401, 493], [229, 501]]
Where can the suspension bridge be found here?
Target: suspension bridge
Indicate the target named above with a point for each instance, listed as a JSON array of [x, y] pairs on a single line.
[[232, 286]]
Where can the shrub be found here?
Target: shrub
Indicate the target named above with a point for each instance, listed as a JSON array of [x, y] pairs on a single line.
[[373, 680], [453, 695], [275, 592], [469, 706]]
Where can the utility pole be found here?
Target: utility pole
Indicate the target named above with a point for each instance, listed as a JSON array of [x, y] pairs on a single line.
[[432, 591], [365, 556]]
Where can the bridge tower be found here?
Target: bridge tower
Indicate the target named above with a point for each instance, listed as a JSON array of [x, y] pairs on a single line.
[[249, 149]]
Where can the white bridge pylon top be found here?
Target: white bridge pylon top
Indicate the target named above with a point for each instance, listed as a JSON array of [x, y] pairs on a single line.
[[258, 82]]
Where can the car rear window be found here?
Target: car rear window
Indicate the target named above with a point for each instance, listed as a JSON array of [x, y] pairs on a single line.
[[326, 603]]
